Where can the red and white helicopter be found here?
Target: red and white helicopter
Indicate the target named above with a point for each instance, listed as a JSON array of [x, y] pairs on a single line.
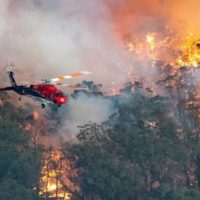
[[46, 92]]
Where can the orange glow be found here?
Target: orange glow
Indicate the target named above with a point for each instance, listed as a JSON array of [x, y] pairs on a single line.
[[190, 52], [28, 127], [150, 39], [171, 49], [151, 47], [35, 115], [51, 181]]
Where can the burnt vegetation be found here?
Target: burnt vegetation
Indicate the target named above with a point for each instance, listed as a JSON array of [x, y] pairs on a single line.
[[147, 149]]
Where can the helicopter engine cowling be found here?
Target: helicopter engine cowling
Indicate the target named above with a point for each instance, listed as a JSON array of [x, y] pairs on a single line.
[[60, 100]]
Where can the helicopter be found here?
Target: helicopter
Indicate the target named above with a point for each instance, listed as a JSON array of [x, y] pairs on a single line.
[[46, 92]]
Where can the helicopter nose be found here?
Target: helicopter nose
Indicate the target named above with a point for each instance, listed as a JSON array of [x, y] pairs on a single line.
[[61, 100]]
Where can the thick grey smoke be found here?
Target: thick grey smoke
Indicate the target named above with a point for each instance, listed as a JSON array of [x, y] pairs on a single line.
[[85, 109], [50, 38]]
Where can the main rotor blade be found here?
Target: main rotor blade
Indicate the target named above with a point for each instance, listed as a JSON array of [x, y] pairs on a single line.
[[72, 86], [73, 75]]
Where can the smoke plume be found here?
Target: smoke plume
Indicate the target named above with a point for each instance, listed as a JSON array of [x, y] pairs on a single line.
[[51, 38]]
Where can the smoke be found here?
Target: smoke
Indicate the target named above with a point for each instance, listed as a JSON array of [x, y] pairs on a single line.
[[85, 109], [50, 38], [188, 12], [146, 15]]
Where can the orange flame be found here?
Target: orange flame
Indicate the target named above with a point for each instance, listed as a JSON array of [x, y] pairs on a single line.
[[190, 52], [51, 181], [170, 49]]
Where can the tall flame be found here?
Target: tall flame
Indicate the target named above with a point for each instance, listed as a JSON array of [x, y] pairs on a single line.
[[190, 52], [170, 49], [51, 182]]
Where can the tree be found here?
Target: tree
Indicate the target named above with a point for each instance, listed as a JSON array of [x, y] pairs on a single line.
[[136, 154], [10, 190], [19, 163]]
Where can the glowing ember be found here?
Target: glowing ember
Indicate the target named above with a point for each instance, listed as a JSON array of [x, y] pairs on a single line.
[[51, 187], [35, 115], [150, 39], [28, 127]]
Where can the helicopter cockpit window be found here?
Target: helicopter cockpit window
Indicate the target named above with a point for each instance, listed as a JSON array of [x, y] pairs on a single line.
[[59, 94]]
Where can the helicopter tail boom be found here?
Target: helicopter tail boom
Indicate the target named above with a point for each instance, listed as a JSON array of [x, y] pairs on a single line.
[[6, 89], [11, 76]]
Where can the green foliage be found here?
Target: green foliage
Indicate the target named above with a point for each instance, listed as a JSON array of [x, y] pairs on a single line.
[[147, 150], [10, 190], [136, 154], [19, 163], [190, 194], [88, 88]]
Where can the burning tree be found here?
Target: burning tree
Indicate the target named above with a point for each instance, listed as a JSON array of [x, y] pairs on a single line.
[[53, 181], [147, 149]]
